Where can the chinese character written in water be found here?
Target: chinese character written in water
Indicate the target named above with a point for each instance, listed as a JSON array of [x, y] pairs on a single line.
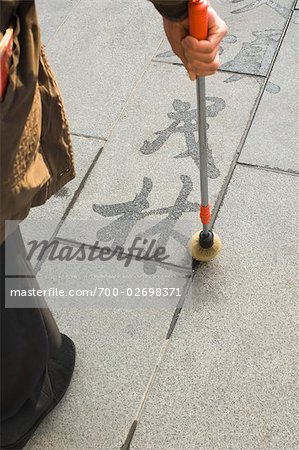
[[255, 57], [131, 212], [249, 5], [184, 121]]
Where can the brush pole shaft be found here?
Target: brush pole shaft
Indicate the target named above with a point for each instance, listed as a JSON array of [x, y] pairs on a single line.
[[203, 150], [198, 25]]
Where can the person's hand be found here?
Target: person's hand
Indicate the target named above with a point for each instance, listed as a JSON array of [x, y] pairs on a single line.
[[201, 58]]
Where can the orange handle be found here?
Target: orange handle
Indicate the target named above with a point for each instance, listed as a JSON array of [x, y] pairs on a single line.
[[205, 214], [198, 19]]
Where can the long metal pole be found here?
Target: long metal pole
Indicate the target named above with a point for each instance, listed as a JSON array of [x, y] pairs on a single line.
[[203, 150]]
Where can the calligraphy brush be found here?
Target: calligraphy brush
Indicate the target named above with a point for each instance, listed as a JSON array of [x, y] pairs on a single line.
[[204, 245]]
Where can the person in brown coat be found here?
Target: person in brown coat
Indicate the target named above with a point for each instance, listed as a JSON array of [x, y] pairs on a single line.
[[36, 161]]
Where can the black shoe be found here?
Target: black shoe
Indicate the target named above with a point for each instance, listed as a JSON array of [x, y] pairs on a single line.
[[60, 371]]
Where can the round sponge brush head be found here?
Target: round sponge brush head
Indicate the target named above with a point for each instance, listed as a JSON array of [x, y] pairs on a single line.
[[204, 254]]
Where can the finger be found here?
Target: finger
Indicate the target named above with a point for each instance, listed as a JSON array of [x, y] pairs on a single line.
[[215, 38], [217, 30], [191, 55], [192, 75], [179, 52], [200, 67], [208, 74], [183, 58], [189, 43], [217, 27]]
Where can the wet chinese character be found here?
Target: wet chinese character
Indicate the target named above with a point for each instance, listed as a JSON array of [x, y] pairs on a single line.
[[184, 121], [131, 212], [165, 229], [255, 57], [270, 87], [249, 5]]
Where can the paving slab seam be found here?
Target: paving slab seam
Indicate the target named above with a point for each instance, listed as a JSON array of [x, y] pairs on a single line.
[[70, 206], [229, 72], [65, 19], [88, 136], [227, 179], [181, 302], [128, 440], [290, 172], [165, 345], [178, 310], [252, 75], [171, 63]]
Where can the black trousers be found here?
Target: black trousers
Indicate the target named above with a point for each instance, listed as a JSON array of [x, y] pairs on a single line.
[[29, 337]]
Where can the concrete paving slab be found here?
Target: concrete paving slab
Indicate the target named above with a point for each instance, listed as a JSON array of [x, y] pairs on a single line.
[[150, 168], [273, 137], [51, 16], [98, 69], [229, 377], [250, 48], [116, 351]]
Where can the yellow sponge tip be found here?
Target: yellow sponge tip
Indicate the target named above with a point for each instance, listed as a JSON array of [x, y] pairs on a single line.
[[204, 254]]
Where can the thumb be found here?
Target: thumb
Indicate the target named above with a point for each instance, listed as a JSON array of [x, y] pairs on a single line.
[[192, 75]]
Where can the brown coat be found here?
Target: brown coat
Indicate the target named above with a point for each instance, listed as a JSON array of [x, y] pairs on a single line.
[[36, 156]]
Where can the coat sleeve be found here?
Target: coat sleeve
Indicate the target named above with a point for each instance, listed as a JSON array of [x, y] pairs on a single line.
[[172, 9]]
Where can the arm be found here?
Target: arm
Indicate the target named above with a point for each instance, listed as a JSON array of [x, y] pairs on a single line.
[[200, 58]]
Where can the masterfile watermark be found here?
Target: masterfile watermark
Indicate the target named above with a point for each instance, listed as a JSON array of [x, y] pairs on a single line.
[[57, 251], [98, 264], [98, 291]]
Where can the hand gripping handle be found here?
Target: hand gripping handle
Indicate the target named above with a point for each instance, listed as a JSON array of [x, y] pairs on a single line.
[[198, 19]]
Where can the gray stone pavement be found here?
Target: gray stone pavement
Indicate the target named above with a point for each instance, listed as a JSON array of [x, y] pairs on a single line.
[[229, 379], [273, 137], [221, 372]]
